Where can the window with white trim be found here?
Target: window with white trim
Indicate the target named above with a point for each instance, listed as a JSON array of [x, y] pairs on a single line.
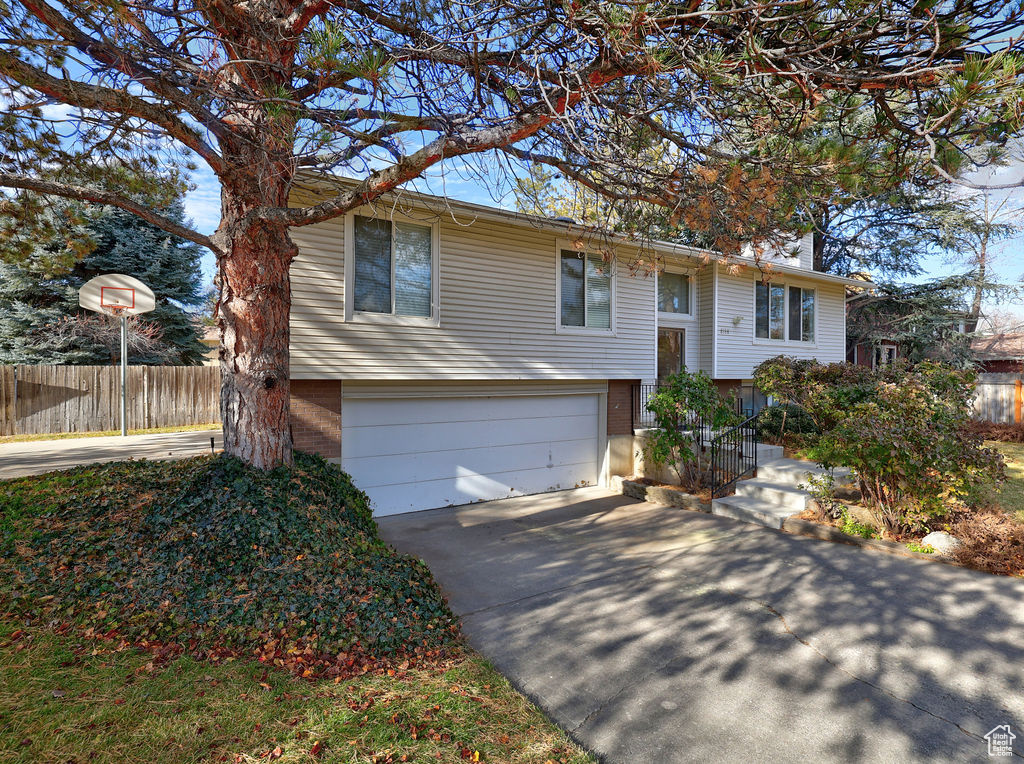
[[585, 290], [884, 356], [784, 312], [674, 290], [394, 266]]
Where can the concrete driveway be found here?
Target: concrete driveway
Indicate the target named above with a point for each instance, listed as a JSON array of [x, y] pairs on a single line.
[[660, 635], [38, 456]]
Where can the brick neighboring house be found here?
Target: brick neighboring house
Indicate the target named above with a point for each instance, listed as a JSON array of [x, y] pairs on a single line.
[[445, 353], [1000, 353]]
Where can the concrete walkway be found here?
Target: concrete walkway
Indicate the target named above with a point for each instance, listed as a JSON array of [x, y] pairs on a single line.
[[660, 635], [37, 456]]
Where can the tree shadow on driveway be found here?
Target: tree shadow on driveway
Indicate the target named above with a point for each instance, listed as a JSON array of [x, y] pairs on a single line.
[[655, 634]]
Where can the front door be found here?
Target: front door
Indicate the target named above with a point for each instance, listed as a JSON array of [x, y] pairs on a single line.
[[671, 352]]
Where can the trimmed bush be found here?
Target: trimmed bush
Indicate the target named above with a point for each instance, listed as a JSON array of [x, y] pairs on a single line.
[[212, 552], [780, 420]]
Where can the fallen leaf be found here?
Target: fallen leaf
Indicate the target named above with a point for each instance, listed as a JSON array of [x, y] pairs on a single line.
[[275, 754], [317, 750]]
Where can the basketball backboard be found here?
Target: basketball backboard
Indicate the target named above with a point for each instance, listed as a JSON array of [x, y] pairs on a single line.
[[116, 294]]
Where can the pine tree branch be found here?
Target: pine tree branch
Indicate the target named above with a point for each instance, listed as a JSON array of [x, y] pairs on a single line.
[[118, 59], [100, 196], [86, 96]]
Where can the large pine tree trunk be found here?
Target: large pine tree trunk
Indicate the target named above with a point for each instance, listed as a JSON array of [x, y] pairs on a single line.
[[253, 321]]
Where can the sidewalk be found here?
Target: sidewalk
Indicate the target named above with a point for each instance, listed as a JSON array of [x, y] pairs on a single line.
[[35, 457]]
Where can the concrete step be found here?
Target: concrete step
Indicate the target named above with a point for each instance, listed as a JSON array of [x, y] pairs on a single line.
[[773, 493], [751, 510], [794, 471], [767, 453]]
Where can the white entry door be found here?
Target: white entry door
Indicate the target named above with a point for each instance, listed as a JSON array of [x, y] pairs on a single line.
[[421, 453]]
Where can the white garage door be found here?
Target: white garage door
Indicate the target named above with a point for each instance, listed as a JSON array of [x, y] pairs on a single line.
[[421, 453]]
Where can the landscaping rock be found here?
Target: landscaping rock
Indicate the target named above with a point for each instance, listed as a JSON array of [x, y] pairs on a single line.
[[863, 515], [663, 494], [942, 542], [634, 490]]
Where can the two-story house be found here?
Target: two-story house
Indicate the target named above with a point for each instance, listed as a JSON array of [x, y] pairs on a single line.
[[447, 352]]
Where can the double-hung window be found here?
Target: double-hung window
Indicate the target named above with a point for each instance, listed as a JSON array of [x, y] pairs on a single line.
[[585, 290], [674, 293], [784, 313], [393, 267]]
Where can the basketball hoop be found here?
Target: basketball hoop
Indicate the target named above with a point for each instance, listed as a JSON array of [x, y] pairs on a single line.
[[117, 311], [116, 295], [120, 296]]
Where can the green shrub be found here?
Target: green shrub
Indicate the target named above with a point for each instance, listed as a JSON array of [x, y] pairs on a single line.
[[823, 391], [780, 420], [213, 552], [852, 527], [905, 431], [905, 437], [680, 401], [822, 489]]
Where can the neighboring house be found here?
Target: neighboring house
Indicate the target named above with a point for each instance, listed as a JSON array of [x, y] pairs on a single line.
[[446, 352], [999, 353], [211, 338], [873, 356]]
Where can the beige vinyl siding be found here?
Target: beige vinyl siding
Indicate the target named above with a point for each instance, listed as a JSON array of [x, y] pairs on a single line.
[[498, 314], [737, 353]]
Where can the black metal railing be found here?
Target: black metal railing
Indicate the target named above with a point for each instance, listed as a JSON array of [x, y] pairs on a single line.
[[642, 418], [733, 455]]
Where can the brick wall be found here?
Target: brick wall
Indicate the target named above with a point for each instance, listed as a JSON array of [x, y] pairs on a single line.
[[620, 402], [316, 416]]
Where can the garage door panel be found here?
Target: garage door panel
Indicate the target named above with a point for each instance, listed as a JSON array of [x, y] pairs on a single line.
[[376, 471], [465, 489], [400, 411], [419, 453], [416, 438]]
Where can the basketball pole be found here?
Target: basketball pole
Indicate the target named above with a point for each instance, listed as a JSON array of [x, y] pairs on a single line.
[[124, 375]]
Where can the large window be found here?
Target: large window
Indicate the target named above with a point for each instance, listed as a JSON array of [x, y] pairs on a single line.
[[394, 264], [782, 313], [585, 290], [674, 293]]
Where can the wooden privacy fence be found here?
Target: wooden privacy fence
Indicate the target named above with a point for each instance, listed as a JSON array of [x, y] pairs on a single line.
[[37, 400], [1000, 398]]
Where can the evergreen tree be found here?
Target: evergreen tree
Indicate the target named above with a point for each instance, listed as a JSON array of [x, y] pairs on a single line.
[[924, 319], [34, 300]]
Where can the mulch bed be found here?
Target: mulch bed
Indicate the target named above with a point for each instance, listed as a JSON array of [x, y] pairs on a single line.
[[1007, 433], [993, 541]]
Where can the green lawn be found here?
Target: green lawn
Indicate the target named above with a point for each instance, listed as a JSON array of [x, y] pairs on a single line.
[[60, 702], [1011, 494]]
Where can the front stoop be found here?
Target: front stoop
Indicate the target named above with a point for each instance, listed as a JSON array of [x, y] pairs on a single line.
[[772, 496]]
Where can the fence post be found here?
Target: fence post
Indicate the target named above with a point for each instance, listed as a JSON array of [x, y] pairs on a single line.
[[1018, 401]]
